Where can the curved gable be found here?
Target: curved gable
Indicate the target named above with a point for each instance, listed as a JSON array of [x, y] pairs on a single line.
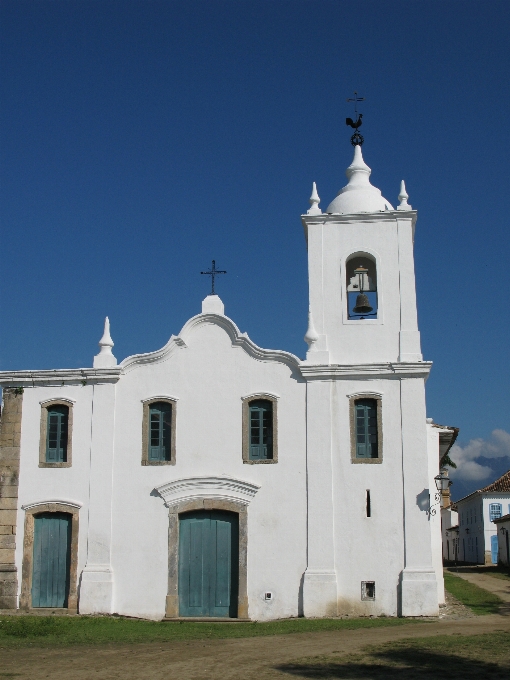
[[237, 339]]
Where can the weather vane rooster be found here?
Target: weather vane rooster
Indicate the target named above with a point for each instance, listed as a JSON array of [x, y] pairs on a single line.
[[357, 138]]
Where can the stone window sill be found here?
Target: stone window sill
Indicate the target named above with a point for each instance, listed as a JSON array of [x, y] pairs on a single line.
[[55, 465]]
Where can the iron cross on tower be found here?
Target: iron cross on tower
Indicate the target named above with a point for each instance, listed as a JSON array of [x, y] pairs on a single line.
[[356, 138], [212, 273]]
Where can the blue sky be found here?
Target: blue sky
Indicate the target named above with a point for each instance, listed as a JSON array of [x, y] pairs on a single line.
[[142, 139]]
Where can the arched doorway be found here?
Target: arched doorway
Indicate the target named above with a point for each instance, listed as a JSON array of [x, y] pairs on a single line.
[[208, 563]]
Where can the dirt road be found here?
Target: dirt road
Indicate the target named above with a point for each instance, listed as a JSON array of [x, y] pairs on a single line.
[[482, 579], [233, 659]]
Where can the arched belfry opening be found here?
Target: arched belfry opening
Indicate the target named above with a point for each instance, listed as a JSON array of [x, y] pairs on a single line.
[[361, 273]]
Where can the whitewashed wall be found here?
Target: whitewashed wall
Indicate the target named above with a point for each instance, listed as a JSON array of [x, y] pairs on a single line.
[[208, 377], [45, 484], [503, 538], [435, 516], [309, 540]]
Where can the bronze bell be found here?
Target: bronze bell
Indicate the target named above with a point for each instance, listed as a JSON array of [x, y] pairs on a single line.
[[362, 305]]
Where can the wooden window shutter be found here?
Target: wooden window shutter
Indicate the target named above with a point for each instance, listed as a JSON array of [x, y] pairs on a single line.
[[261, 430], [366, 428], [160, 431], [56, 434]]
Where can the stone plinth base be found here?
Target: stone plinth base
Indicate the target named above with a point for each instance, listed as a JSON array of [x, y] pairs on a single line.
[[419, 593], [319, 594], [8, 586], [96, 590]]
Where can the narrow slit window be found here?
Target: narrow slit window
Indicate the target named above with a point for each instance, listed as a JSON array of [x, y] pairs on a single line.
[[160, 431], [261, 430], [369, 504], [56, 434], [366, 428]]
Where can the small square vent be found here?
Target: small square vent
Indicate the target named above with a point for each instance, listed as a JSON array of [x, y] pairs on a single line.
[[268, 596], [368, 590]]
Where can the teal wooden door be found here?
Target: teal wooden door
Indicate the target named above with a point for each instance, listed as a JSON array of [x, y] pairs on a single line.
[[494, 549], [51, 561], [208, 563]]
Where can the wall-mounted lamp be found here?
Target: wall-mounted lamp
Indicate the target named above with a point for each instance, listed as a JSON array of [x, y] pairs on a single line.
[[442, 481], [442, 484]]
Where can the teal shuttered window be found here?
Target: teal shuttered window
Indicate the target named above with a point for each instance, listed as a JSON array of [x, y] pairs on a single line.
[[366, 428], [261, 430], [56, 434], [160, 434]]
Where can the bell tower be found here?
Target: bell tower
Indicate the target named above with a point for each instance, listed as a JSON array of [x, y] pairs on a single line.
[[365, 380], [361, 275]]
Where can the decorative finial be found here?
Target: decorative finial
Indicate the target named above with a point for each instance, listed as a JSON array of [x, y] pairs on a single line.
[[402, 197], [314, 202], [357, 138], [311, 335], [105, 358], [212, 273]]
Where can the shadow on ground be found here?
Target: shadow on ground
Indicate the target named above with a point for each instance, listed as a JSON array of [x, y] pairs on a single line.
[[415, 664], [491, 570]]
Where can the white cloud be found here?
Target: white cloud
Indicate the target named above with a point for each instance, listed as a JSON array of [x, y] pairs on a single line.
[[497, 446]]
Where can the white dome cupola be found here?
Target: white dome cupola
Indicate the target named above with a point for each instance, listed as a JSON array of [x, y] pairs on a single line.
[[358, 196]]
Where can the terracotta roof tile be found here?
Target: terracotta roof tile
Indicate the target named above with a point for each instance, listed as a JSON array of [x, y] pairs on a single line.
[[505, 518], [501, 484]]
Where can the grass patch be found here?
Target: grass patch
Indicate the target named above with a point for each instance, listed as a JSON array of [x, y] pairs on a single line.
[[480, 601], [61, 630], [454, 657]]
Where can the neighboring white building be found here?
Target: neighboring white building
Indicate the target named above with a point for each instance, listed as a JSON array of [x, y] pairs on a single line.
[[503, 529], [449, 531], [451, 543], [214, 478], [441, 439], [478, 539]]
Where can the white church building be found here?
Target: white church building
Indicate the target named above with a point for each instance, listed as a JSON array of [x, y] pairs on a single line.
[[217, 479]]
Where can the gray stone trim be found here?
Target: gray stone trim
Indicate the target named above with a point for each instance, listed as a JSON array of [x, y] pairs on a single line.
[[28, 555], [43, 463], [352, 419], [172, 599], [145, 431], [392, 371], [58, 377], [246, 428], [10, 437]]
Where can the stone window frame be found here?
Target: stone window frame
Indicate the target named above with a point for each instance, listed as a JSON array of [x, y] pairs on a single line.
[[352, 419], [28, 555], [181, 507], [57, 401], [145, 430], [246, 427]]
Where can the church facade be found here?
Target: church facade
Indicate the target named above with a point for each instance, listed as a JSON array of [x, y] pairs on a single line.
[[216, 479]]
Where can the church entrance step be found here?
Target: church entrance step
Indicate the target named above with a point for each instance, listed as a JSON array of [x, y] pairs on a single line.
[[207, 619]]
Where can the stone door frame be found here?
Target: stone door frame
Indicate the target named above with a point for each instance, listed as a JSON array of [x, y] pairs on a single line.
[[28, 554], [188, 505]]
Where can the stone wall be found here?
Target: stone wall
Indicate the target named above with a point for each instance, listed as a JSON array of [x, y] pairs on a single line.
[[10, 435]]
